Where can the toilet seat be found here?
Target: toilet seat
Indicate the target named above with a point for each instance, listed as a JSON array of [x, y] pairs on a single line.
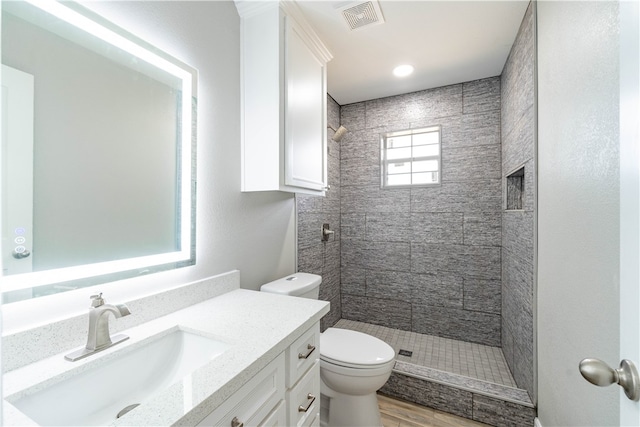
[[351, 349], [355, 371]]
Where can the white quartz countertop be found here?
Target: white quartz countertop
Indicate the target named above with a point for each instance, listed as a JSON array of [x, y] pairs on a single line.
[[257, 325]]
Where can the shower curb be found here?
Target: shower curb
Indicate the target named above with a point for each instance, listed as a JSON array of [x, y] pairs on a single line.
[[474, 385], [466, 397]]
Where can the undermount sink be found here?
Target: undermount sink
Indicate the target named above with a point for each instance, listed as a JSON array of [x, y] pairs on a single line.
[[96, 396]]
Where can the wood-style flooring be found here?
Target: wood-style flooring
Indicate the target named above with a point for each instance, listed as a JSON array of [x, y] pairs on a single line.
[[398, 413]]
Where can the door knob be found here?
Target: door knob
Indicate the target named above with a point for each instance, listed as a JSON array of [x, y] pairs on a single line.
[[599, 373]]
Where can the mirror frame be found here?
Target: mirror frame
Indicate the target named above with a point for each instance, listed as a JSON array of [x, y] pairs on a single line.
[[51, 281]]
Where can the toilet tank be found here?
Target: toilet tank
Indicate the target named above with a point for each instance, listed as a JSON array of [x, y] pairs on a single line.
[[304, 285]]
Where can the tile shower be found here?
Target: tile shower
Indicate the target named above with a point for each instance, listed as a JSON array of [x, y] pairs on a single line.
[[446, 270]]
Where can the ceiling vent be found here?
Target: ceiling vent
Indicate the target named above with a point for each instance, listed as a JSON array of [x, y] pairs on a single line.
[[362, 14]]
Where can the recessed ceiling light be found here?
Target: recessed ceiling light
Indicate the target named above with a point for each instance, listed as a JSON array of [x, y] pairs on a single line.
[[402, 70]]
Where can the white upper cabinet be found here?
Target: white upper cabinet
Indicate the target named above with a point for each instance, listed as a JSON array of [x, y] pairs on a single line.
[[284, 92]]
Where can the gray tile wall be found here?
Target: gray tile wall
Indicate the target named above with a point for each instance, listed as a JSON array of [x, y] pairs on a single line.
[[314, 255], [426, 259], [518, 139]]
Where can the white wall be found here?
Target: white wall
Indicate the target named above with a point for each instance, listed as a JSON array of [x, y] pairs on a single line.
[[578, 210], [254, 233]]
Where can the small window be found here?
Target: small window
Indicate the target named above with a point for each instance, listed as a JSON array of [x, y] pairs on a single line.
[[411, 157]]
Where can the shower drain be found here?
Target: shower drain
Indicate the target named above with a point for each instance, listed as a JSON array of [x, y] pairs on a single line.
[[405, 353], [127, 409]]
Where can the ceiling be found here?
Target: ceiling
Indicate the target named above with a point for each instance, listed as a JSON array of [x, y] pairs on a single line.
[[447, 42]]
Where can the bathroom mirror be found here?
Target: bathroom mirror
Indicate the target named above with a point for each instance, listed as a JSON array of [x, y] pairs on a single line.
[[98, 152]]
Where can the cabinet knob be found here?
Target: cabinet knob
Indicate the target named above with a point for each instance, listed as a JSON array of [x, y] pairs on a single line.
[[235, 422]]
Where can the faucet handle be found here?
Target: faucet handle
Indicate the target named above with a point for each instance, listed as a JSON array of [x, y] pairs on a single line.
[[97, 300]]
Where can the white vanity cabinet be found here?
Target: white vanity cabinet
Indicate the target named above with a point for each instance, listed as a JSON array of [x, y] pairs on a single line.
[[284, 393], [284, 125]]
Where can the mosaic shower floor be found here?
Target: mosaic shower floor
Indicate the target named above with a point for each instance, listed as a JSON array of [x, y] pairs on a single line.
[[470, 360]]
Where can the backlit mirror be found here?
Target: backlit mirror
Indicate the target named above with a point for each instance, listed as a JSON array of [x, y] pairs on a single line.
[[98, 152]]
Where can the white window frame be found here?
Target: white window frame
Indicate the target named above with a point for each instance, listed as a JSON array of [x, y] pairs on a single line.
[[385, 162]]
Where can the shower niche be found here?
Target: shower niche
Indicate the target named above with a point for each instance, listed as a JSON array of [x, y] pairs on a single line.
[[515, 190]]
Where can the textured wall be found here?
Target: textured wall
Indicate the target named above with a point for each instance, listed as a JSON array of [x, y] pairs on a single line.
[[518, 139], [426, 259], [314, 255]]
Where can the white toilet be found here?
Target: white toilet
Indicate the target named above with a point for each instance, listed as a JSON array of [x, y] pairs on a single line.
[[353, 365]]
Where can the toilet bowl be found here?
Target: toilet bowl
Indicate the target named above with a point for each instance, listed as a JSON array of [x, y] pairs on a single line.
[[353, 365]]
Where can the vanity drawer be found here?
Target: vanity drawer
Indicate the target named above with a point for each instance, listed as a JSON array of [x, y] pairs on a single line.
[[302, 354], [277, 418], [254, 403], [304, 399]]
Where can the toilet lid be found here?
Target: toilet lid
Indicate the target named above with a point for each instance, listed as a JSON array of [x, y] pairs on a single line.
[[346, 347]]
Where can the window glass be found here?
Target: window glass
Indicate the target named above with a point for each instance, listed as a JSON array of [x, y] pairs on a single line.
[[404, 179], [426, 151], [399, 153], [425, 178], [426, 138], [396, 168], [425, 166], [399, 141]]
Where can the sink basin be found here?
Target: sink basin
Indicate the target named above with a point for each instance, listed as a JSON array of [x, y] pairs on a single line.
[[127, 377]]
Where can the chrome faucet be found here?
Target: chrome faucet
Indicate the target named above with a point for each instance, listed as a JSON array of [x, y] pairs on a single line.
[[99, 337]]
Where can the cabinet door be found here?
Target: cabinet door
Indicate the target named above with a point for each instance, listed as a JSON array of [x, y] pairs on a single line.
[[254, 401], [305, 111], [277, 418]]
